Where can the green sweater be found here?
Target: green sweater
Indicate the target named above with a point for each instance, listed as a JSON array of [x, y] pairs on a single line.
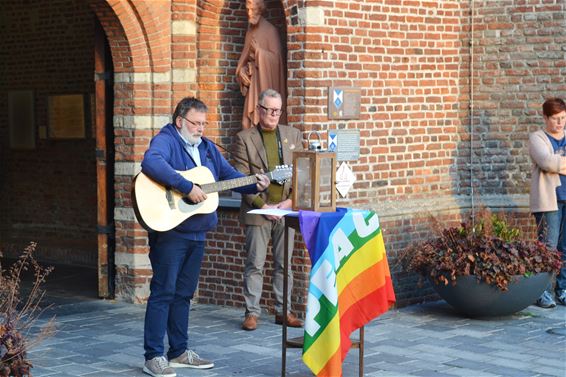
[[274, 191]]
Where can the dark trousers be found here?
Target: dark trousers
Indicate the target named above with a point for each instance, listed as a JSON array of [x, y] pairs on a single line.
[[175, 262], [551, 229]]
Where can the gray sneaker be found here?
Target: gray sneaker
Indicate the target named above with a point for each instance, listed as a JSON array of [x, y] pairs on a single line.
[[190, 359], [158, 367], [546, 301], [561, 297]]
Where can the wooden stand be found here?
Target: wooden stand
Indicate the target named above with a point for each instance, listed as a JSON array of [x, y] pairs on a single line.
[[293, 222]]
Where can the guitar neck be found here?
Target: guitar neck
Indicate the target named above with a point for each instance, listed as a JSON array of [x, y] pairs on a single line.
[[228, 184]]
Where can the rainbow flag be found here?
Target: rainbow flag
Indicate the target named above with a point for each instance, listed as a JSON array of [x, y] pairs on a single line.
[[350, 283]]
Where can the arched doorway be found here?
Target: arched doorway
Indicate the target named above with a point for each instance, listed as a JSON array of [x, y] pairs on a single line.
[[49, 189]]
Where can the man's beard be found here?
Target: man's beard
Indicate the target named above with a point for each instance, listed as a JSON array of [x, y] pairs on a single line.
[[192, 139]]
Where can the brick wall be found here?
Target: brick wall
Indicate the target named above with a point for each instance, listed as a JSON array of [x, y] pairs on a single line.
[[222, 270], [49, 192], [519, 61], [423, 151]]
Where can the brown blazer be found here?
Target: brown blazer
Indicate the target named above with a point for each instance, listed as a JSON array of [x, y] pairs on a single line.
[[249, 147]]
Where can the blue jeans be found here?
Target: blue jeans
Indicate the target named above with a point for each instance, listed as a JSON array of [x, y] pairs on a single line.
[[551, 229], [175, 262]]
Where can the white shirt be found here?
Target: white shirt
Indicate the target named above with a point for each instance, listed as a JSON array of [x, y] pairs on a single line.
[[192, 149]]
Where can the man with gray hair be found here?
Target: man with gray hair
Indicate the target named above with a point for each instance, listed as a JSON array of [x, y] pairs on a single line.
[[176, 254], [265, 146]]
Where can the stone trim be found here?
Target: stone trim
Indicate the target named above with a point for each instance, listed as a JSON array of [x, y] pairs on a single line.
[[124, 214], [132, 260], [183, 28], [127, 168], [393, 210], [312, 16], [142, 77], [141, 122], [184, 75]]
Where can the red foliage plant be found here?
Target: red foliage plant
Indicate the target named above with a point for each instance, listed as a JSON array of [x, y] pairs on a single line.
[[18, 315], [484, 246]]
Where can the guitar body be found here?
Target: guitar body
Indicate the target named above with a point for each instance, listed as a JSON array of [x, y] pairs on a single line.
[[161, 209]]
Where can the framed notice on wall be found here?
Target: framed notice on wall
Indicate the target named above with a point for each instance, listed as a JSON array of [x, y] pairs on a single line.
[[66, 116], [21, 119]]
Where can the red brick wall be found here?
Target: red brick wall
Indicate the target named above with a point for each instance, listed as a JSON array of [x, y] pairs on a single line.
[[222, 270], [519, 61], [410, 62], [49, 192]]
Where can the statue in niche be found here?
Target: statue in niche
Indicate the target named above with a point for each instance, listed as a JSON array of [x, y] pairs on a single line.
[[261, 65]]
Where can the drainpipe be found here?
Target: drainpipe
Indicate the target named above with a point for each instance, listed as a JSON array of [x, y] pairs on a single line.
[[471, 107]]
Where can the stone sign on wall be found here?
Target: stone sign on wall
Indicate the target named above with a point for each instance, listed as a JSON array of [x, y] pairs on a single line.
[[344, 103]]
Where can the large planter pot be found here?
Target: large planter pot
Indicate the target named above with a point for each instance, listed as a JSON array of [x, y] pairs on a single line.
[[478, 299]]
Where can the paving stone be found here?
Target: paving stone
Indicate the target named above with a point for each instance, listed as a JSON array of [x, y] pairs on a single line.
[[512, 372], [558, 362], [39, 371], [420, 340], [465, 372], [108, 366], [552, 371], [77, 369], [468, 364]]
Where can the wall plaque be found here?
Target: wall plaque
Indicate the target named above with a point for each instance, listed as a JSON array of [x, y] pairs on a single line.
[[344, 103], [66, 116], [346, 144]]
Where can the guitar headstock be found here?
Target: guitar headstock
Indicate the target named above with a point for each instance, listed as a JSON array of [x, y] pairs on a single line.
[[281, 173]]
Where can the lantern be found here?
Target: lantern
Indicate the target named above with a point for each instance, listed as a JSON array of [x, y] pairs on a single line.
[[314, 179]]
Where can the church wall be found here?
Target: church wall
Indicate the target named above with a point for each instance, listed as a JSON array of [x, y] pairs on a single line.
[[432, 140]]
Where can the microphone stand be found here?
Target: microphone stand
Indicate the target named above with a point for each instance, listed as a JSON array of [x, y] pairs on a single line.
[[236, 157]]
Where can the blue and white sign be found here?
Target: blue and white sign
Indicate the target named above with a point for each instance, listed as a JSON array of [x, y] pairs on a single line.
[[345, 142], [338, 97], [332, 141]]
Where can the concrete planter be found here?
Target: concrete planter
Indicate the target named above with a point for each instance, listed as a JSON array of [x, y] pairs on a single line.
[[475, 299]]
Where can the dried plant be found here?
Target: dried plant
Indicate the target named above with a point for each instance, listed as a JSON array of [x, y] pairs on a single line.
[[18, 314], [485, 246]]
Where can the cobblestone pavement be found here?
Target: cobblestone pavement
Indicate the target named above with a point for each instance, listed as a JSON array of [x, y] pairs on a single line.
[[104, 338]]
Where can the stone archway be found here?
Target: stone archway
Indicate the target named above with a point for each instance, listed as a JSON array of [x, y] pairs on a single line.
[[138, 37]]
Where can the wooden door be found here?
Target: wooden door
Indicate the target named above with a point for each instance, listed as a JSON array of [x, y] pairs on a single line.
[[104, 162]]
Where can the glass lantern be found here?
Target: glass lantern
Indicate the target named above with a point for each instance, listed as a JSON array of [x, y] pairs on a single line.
[[314, 181]]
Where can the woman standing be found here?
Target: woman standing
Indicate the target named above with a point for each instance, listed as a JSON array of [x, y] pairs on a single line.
[[547, 149]]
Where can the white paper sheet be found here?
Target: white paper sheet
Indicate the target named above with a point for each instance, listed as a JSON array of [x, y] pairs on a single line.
[[272, 211]]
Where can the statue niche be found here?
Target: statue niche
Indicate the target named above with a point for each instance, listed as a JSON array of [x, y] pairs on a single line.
[[261, 64]]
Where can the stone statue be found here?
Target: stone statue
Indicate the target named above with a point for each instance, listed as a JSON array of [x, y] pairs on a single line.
[[260, 66]]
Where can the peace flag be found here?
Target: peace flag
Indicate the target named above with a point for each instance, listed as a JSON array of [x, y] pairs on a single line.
[[350, 283]]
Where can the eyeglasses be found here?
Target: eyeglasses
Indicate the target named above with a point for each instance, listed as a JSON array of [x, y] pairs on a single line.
[[197, 124], [275, 112], [557, 119]]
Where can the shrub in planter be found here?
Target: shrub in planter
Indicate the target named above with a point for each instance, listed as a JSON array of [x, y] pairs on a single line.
[[19, 314], [485, 247]]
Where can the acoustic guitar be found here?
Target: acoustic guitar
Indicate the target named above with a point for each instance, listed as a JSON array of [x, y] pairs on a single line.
[[162, 208]]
